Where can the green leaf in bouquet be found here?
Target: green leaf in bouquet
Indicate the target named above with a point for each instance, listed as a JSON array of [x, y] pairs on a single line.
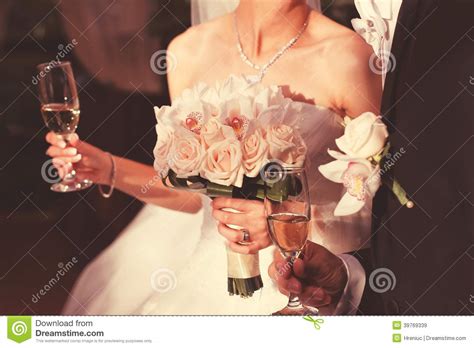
[[280, 190], [193, 183], [216, 190]]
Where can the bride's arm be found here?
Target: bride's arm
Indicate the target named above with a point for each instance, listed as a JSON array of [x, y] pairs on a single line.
[[359, 87], [134, 178]]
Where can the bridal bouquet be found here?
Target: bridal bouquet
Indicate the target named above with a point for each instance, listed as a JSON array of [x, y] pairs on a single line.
[[218, 140], [364, 150]]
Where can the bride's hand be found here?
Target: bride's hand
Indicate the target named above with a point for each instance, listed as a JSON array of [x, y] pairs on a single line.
[[89, 161], [251, 217], [319, 279]]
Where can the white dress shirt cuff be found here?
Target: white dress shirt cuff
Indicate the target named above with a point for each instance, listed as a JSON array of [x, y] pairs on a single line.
[[352, 295]]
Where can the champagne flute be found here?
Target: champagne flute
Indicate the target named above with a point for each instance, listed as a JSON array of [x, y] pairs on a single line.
[[288, 210], [60, 111]]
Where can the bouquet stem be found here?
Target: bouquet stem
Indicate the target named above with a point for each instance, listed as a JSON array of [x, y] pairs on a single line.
[[243, 277]]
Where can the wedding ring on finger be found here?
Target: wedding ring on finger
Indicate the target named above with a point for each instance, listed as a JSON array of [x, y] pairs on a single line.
[[245, 236]]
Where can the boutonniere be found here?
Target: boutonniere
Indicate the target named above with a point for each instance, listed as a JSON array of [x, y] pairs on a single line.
[[363, 148]]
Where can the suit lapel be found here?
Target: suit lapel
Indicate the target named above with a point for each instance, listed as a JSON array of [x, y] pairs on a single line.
[[405, 24]]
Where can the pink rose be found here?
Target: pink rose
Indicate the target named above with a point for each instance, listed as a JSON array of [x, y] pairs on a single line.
[[254, 153], [223, 163], [286, 145], [186, 154], [213, 132], [162, 148]]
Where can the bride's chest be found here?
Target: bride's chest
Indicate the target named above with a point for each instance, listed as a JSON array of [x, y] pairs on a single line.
[[299, 80]]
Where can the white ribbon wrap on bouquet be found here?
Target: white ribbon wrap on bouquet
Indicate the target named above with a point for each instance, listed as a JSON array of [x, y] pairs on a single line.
[[242, 266]]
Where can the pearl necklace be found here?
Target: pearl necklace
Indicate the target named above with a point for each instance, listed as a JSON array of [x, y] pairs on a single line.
[[263, 69]]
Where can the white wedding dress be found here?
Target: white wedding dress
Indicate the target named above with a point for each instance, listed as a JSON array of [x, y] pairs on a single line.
[[171, 262]]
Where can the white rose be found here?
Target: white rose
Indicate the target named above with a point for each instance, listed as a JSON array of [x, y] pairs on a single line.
[[213, 131], [286, 145], [364, 136], [186, 154], [254, 153], [162, 148], [223, 163]]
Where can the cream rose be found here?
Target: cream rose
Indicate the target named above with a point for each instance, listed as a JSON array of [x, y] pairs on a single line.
[[254, 153], [186, 154], [364, 136], [223, 163], [286, 145], [213, 132], [162, 148]]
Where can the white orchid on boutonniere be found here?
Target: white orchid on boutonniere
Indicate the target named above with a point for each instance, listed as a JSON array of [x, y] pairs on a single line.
[[363, 145]]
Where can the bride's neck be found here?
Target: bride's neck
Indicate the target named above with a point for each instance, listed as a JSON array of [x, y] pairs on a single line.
[[266, 25]]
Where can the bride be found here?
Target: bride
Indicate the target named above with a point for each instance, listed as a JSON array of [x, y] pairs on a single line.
[[171, 258]]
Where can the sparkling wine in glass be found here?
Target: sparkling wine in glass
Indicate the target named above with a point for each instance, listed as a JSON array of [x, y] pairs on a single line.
[[60, 111], [288, 210]]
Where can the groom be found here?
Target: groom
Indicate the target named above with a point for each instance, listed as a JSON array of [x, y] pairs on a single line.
[[420, 259]]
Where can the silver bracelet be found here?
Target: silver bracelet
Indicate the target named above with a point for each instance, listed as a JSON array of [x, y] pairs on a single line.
[[112, 179]]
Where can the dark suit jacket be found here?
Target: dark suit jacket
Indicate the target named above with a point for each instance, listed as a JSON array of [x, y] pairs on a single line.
[[428, 106]]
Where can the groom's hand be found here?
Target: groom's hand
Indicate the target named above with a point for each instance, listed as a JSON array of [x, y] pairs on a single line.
[[318, 279]]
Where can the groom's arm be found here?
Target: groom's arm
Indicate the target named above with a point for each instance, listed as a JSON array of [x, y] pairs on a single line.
[[334, 284], [351, 297], [358, 297]]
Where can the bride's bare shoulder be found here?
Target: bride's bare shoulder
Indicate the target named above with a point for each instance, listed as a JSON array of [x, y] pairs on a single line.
[[198, 39], [196, 50], [340, 45]]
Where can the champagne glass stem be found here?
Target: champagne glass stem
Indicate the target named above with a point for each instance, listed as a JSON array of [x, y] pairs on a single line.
[[294, 300]]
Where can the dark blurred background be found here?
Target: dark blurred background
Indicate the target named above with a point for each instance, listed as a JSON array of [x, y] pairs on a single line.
[[41, 231]]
